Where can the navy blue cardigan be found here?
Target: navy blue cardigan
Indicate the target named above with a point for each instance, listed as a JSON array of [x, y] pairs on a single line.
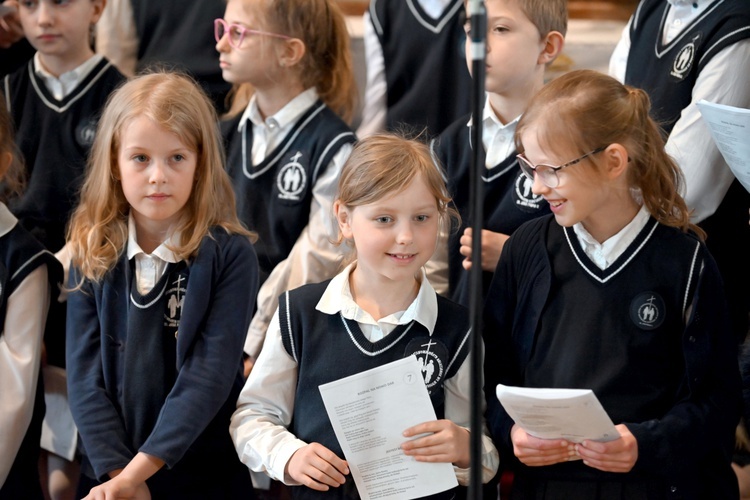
[[217, 309]]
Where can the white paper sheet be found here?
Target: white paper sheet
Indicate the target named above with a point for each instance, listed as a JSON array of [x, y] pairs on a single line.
[[369, 412], [730, 129], [571, 414]]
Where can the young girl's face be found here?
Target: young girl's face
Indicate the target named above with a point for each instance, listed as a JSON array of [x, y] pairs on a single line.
[[583, 194], [394, 236], [157, 171], [255, 62], [59, 29]]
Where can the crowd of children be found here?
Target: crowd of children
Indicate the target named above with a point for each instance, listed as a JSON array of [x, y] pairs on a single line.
[[200, 273]]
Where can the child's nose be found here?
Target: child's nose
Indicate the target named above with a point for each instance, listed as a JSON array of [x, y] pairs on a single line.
[[538, 187], [158, 173], [45, 13], [405, 233]]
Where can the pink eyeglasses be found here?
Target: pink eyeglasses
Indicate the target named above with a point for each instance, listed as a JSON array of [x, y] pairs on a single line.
[[237, 33]]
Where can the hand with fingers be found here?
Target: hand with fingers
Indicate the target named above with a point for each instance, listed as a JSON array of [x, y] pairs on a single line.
[[317, 467], [445, 442], [492, 247], [116, 489], [536, 452], [619, 455], [11, 30]]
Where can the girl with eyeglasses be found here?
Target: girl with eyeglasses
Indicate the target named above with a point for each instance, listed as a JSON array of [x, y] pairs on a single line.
[[286, 145], [614, 292]]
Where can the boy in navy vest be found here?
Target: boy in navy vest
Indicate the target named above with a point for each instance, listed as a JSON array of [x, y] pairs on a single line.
[[523, 37]]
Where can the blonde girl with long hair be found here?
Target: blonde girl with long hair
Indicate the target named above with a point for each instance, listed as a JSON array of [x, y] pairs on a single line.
[[615, 292], [163, 280], [288, 136]]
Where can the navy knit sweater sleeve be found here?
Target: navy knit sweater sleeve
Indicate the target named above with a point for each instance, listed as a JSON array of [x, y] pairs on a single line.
[[215, 317]]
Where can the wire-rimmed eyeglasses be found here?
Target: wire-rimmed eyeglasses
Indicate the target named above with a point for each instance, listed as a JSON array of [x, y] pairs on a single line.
[[548, 173], [237, 33]]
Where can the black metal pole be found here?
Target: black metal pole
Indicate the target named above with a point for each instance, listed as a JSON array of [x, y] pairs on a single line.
[[478, 19]]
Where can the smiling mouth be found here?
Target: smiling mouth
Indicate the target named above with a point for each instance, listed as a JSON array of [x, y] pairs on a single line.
[[400, 256]]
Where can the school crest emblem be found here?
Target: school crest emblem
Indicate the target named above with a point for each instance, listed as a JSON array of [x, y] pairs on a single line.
[[683, 62], [86, 132], [433, 356], [175, 298], [648, 311], [292, 179]]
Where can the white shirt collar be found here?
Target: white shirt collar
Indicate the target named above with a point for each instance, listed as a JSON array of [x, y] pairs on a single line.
[[337, 298], [435, 8], [285, 116], [61, 86], [604, 254], [7, 221], [498, 139], [161, 251]]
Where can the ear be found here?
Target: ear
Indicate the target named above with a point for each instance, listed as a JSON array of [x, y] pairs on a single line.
[[6, 159], [292, 53], [616, 160], [98, 6], [343, 217], [553, 45]]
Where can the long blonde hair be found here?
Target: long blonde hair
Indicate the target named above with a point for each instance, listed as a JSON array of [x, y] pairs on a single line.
[[98, 230], [326, 64], [585, 110]]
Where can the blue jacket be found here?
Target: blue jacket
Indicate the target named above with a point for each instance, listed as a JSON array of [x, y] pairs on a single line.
[[216, 314]]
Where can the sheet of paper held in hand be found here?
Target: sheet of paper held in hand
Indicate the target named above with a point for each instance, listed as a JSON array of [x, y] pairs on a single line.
[[369, 411], [730, 129], [572, 414]]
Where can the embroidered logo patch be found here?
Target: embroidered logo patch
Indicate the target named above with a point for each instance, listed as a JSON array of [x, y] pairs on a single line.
[[685, 58], [175, 299], [648, 311], [85, 132], [433, 356], [292, 179], [524, 198]]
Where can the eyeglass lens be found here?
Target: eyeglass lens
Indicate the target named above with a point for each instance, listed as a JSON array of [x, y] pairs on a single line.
[[546, 174]]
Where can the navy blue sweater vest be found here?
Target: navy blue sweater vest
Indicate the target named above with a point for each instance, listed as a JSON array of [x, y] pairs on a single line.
[[55, 138], [273, 198], [329, 347], [428, 82], [669, 72]]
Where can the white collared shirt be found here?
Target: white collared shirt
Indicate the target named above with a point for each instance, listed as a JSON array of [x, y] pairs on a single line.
[[680, 14], [498, 139], [259, 427], [604, 254], [268, 133], [61, 86], [149, 268], [338, 298]]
